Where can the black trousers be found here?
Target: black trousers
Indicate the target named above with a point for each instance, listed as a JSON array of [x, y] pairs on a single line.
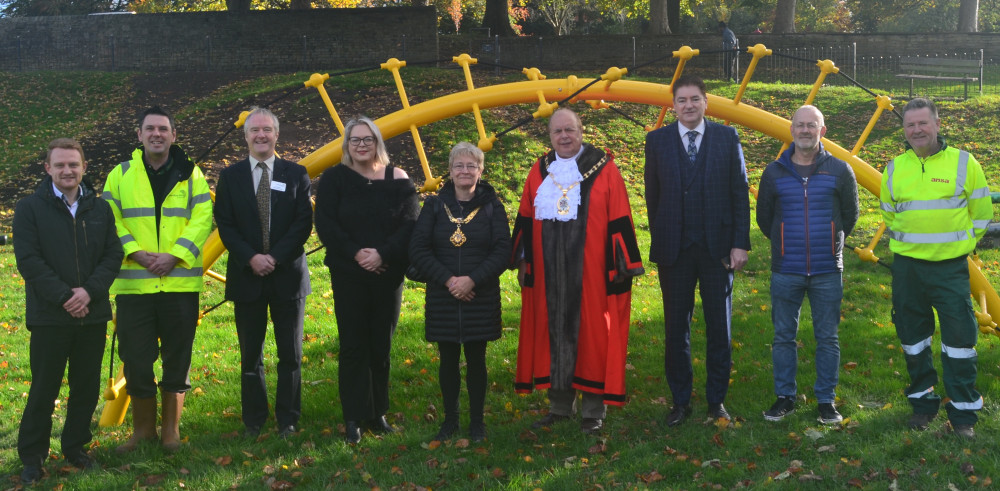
[[51, 348], [694, 266], [251, 327], [450, 377], [366, 320], [171, 318]]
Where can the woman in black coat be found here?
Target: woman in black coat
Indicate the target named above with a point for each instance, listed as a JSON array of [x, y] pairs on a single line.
[[365, 212], [461, 245]]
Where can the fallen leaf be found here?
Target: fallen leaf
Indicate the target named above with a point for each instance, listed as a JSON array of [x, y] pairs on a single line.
[[826, 448], [153, 479], [599, 448], [813, 434], [810, 477], [224, 460], [967, 468], [462, 443]]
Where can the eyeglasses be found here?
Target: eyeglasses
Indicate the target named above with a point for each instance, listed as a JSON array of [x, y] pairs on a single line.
[[465, 167], [367, 141]]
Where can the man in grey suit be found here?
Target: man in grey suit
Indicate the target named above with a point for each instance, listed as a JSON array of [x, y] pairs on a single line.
[[699, 218], [264, 215]]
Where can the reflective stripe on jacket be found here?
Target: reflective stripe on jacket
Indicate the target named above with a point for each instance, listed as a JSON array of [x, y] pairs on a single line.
[[185, 223], [935, 208]]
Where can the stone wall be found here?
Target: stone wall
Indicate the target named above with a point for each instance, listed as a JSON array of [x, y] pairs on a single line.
[[336, 39], [323, 39]]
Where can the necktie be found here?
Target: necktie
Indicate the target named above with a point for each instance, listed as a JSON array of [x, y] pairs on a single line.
[[264, 205], [692, 149]]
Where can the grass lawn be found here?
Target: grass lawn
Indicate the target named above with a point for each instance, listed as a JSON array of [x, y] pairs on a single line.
[[872, 449]]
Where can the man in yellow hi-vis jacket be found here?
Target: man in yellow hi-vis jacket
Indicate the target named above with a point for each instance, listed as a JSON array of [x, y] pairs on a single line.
[[936, 205], [163, 212]]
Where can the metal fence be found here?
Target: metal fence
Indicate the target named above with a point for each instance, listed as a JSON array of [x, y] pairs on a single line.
[[336, 53]]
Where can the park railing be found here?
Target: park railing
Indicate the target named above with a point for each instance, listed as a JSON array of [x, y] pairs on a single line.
[[309, 52]]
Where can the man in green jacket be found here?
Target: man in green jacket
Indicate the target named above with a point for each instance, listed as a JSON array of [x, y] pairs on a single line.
[[68, 253], [936, 206]]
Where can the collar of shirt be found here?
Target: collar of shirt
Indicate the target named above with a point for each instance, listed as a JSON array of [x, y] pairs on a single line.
[[62, 197], [256, 173], [560, 160], [269, 163], [684, 131]]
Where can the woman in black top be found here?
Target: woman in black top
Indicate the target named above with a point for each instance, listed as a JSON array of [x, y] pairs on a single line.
[[461, 244], [365, 211]]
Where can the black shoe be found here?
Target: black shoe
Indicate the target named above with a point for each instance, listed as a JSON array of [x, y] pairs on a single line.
[[678, 414], [251, 432], [380, 426], [828, 414], [31, 474], [287, 431], [920, 421], [549, 420], [477, 431], [82, 461], [781, 408], [718, 411], [352, 432], [591, 426], [449, 428]]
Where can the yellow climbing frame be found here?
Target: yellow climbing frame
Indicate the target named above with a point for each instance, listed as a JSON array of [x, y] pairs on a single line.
[[541, 90]]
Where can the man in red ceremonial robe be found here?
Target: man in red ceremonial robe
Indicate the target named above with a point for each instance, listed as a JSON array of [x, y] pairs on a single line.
[[575, 246]]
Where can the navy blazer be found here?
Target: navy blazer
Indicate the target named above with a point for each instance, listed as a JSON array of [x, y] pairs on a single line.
[[239, 228], [726, 191]]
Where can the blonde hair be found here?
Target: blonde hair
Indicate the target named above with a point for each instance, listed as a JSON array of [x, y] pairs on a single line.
[[381, 154]]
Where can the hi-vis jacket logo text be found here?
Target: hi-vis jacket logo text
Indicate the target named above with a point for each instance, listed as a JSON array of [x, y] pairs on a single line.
[[938, 179]]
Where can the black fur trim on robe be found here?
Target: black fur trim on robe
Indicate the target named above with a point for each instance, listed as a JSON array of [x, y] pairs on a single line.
[[562, 247]]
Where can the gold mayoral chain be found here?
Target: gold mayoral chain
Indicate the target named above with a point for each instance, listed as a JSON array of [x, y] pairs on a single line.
[[562, 206], [458, 238]]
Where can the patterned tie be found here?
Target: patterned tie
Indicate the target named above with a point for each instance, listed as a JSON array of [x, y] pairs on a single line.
[[692, 149], [264, 205]]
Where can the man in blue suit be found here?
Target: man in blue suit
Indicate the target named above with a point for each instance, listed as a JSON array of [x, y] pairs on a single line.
[[264, 215], [699, 218]]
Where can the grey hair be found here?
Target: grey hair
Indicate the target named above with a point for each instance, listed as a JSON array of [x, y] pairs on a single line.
[[260, 110], [920, 103], [466, 149]]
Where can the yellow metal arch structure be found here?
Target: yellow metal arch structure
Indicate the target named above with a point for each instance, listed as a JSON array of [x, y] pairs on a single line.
[[609, 87]]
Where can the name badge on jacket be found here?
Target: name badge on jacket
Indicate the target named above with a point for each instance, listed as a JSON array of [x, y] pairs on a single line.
[[277, 186]]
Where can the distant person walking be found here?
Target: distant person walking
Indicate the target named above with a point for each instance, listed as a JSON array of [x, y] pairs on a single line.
[[729, 43]]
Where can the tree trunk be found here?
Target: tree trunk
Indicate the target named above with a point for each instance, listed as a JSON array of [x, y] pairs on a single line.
[[238, 6], [968, 16], [658, 20], [497, 19], [674, 16], [784, 17]]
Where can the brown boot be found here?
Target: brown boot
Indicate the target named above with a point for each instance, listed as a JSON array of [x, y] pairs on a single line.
[[170, 435], [143, 423]]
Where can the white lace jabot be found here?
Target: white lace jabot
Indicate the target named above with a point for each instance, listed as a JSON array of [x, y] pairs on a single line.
[[565, 173]]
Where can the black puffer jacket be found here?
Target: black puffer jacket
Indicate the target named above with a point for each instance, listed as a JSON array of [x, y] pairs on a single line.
[[482, 258], [56, 252]]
